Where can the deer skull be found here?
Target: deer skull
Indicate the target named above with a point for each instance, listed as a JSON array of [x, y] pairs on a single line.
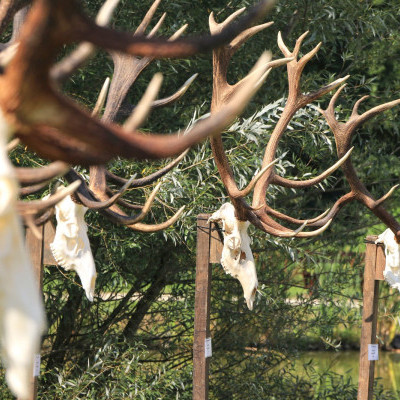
[[237, 258], [392, 252], [21, 311], [71, 247]]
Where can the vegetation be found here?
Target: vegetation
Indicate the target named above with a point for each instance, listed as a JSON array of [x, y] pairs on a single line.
[[135, 339]]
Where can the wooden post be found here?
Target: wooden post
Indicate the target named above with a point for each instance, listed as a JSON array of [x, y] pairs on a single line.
[[209, 248], [35, 247], [201, 309], [373, 273], [39, 250]]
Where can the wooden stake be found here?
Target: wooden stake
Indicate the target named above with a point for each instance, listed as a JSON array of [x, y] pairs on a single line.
[[39, 250], [35, 247], [201, 309], [373, 273]]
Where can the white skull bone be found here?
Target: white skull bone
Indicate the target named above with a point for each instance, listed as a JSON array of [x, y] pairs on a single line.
[[22, 320], [237, 257], [71, 247], [392, 253]]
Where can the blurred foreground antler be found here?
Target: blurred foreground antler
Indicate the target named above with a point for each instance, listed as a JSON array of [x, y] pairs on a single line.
[[56, 128], [260, 213]]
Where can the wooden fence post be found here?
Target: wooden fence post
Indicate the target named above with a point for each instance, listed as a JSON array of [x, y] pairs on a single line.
[[373, 273], [40, 253], [201, 309], [209, 249], [35, 248]]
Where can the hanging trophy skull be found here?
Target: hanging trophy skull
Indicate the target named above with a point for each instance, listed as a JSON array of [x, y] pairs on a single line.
[[392, 253], [237, 258], [71, 247]]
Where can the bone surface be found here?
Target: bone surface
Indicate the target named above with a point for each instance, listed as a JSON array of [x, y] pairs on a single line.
[[71, 247], [237, 257], [21, 309], [392, 253]]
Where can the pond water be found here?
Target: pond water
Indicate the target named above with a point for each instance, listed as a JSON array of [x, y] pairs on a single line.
[[387, 369]]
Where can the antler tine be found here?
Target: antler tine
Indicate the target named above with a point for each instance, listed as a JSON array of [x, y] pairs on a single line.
[[125, 220], [290, 183], [30, 176], [35, 206], [310, 97], [8, 50], [148, 228], [246, 35], [236, 193], [268, 225], [357, 104], [12, 144], [140, 112], [30, 223], [307, 57], [385, 197], [179, 32], [217, 27], [282, 46], [332, 103], [145, 181], [299, 41], [8, 8], [101, 99], [68, 65], [84, 196], [8, 54], [376, 110], [88, 200], [292, 220], [126, 204], [46, 216], [147, 18], [27, 190], [339, 204], [270, 65], [176, 96], [157, 26]]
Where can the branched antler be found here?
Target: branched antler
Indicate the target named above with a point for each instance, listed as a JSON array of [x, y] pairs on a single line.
[[260, 213], [343, 133]]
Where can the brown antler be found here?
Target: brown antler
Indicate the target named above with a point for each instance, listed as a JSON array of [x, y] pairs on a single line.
[[343, 133], [260, 213], [58, 129]]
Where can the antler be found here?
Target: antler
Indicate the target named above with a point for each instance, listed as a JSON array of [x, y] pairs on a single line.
[[343, 133], [58, 129], [260, 213]]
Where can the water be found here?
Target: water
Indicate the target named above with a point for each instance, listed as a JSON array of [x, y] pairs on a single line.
[[387, 369]]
